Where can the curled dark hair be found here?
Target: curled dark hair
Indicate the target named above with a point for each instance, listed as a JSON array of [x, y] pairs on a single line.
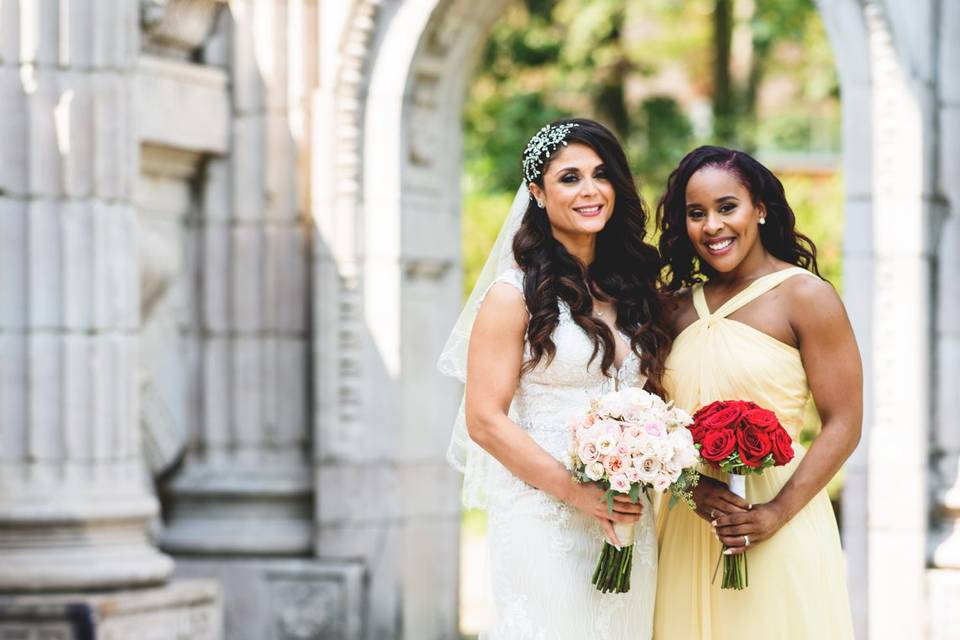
[[779, 234], [624, 270]]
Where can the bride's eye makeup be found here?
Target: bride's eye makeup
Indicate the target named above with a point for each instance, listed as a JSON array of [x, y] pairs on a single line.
[[600, 173]]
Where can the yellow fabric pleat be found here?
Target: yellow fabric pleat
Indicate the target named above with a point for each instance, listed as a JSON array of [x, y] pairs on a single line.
[[798, 577]]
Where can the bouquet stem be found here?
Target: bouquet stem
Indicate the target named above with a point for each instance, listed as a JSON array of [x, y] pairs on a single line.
[[735, 566], [612, 574]]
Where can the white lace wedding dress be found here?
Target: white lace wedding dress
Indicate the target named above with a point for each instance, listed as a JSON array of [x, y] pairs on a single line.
[[542, 551]]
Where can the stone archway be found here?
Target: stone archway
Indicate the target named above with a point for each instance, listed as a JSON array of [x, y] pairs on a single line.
[[404, 161]]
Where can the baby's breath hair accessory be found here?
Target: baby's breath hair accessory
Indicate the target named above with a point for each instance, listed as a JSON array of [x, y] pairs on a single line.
[[541, 147]]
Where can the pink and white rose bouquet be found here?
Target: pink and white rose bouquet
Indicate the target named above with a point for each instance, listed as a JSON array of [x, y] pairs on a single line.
[[632, 441]]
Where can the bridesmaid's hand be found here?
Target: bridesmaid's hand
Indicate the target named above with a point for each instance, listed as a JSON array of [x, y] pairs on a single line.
[[714, 499], [588, 499], [759, 524]]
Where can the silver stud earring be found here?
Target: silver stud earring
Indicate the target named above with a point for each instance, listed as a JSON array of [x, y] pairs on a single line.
[[763, 221], [539, 204]]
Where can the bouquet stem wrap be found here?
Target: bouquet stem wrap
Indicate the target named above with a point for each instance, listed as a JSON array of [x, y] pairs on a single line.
[[735, 566], [612, 574]]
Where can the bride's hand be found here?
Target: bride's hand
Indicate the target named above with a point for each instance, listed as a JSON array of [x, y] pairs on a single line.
[[588, 499], [714, 499]]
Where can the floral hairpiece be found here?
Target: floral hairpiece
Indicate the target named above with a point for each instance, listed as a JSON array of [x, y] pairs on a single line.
[[541, 147]]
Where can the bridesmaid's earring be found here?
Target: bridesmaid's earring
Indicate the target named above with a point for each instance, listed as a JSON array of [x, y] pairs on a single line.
[[763, 221], [539, 204]]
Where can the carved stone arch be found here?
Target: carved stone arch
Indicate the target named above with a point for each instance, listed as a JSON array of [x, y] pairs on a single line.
[[401, 168]]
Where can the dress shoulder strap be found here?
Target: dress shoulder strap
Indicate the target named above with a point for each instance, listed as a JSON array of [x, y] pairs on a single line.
[[700, 301], [756, 289], [513, 276]]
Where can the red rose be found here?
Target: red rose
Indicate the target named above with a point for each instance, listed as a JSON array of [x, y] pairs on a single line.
[[782, 445], [762, 419], [726, 418], [697, 429], [754, 445], [710, 409], [718, 444]]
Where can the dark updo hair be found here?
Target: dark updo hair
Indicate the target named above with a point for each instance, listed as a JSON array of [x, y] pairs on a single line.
[[625, 270], [778, 234]]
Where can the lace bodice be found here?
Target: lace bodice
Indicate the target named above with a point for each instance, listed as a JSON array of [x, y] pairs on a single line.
[[556, 392]]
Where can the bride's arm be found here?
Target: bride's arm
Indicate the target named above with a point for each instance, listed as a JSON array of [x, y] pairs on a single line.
[[832, 364], [494, 360]]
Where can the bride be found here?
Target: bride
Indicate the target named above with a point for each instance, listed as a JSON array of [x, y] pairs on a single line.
[[565, 310]]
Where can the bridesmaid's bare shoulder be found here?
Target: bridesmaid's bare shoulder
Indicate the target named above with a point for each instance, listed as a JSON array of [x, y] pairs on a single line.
[[814, 305]]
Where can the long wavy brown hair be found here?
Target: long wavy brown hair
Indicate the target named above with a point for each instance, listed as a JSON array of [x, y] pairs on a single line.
[[779, 234], [624, 271]]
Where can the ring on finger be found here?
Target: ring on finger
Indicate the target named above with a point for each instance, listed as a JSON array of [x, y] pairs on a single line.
[[746, 540]]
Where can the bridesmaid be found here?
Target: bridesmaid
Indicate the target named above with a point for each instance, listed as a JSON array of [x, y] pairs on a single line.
[[754, 321]]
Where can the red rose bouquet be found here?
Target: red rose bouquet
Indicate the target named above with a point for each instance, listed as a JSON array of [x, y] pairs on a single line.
[[740, 438]]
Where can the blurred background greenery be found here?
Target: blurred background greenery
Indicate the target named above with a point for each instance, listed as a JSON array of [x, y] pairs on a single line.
[[666, 76]]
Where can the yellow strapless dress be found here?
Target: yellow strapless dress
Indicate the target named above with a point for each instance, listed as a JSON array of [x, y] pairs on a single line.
[[798, 586]]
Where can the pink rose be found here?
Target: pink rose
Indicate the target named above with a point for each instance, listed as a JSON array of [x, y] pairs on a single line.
[[613, 464], [619, 483]]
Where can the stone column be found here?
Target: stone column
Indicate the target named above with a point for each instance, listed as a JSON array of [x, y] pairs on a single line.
[[944, 578], [845, 25], [906, 216], [246, 487], [241, 507], [388, 278], [74, 504]]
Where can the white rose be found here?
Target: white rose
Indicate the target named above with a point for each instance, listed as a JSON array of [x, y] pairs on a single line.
[[681, 438], [663, 449], [644, 444], [588, 452], [608, 438], [672, 471], [613, 404], [648, 467], [685, 456], [594, 470], [682, 418]]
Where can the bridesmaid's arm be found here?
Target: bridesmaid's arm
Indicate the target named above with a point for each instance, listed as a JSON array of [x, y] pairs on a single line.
[[832, 364], [494, 360]]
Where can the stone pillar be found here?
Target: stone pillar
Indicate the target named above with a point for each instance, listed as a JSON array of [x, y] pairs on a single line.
[[906, 216], [75, 502], [845, 25], [944, 577], [246, 487], [387, 213], [241, 507]]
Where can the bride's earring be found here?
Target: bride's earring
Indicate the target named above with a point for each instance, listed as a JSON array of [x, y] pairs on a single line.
[[539, 204], [763, 221]]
